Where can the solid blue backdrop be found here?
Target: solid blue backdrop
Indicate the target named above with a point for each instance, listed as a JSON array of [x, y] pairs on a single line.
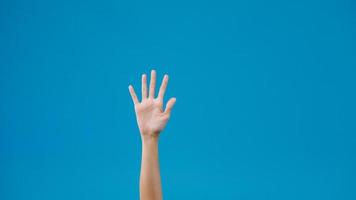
[[265, 98]]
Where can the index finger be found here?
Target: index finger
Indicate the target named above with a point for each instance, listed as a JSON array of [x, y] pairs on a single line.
[[163, 87]]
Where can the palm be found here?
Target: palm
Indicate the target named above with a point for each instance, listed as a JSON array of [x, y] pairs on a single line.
[[151, 117]]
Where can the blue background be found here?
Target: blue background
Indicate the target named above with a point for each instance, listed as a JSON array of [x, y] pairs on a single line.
[[265, 98]]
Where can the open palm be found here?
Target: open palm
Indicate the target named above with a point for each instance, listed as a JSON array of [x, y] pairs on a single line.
[[151, 117]]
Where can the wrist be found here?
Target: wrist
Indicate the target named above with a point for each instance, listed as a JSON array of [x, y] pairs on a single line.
[[150, 136]]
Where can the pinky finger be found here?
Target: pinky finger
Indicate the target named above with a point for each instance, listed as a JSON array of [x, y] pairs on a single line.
[[133, 94], [170, 105]]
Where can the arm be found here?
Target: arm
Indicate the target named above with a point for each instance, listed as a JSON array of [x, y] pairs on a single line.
[[151, 119]]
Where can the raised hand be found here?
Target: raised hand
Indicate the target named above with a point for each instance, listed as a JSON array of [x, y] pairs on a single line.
[[150, 116]]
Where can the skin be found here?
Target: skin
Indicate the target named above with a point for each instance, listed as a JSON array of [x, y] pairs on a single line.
[[151, 120]]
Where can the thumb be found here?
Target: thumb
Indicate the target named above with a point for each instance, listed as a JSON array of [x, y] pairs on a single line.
[[170, 105]]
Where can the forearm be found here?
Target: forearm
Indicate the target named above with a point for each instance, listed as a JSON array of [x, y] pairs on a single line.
[[150, 180]]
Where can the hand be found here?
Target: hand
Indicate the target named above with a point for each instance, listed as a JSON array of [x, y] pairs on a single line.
[[150, 116]]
